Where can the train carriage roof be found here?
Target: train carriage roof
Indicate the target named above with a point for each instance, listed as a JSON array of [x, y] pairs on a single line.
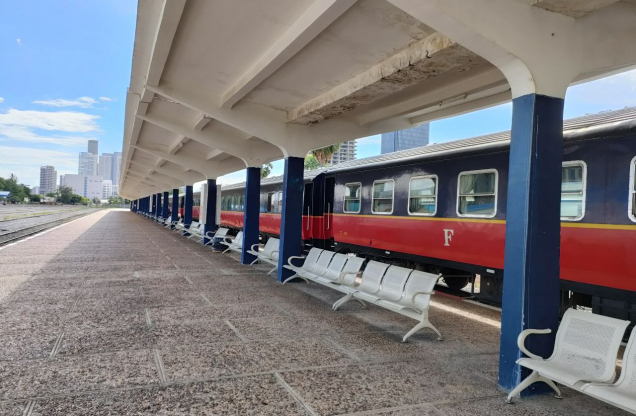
[[600, 125]]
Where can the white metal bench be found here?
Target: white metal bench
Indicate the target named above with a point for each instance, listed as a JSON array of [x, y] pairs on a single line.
[[220, 233], [622, 393], [268, 254], [235, 244], [585, 351], [307, 266], [196, 232]]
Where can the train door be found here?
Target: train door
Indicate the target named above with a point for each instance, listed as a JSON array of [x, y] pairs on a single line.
[[307, 214], [330, 186]]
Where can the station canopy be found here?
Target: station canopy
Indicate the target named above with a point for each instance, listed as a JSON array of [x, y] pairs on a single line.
[[219, 85]]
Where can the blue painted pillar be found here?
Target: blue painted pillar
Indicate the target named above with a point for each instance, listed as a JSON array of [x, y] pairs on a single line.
[[292, 216], [187, 208], [145, 205], [159, 211], [210, 211], [175, 207], [251, 212], [153, 207], [165, 213], [533, 230]]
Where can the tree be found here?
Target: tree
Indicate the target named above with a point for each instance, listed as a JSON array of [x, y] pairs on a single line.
[[311, 162], [66, 195], [35, 198], [17, 190], [324, 153], [266, 169], [96, 201]]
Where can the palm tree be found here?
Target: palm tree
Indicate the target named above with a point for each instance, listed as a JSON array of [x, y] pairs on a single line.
[[266, 169], [324, 153]]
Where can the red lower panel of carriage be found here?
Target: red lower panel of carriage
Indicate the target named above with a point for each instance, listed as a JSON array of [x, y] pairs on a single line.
[[594, 254]]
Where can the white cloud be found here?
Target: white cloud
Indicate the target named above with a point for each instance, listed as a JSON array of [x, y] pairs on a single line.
[[19, 41], [107, 99], [67, 121], [82, 102], [1, 100], [25, 163], [22, 126]]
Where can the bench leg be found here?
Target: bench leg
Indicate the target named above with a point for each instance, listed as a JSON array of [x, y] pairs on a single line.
[[254, 262], [422, 325], [226, 250], [531, 379], [296, 276], [273, 270]]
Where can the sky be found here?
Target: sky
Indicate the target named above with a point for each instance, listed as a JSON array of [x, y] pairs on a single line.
[[65, 68]]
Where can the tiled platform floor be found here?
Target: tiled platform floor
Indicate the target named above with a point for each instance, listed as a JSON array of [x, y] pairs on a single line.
[[114, 315]]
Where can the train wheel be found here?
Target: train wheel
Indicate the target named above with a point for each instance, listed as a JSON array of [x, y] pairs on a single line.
[[456, 282]]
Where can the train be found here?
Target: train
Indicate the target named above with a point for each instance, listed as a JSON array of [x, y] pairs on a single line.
[[442, 208]]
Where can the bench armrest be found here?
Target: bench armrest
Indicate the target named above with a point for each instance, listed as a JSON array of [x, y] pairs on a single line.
[[420, 293], [210, 236], [522, 339], [342, 275], [289, 260], [255, 245]]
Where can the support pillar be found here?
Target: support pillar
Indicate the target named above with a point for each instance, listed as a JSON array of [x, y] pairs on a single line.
[[187, 208], [153, 207], [210, 210], [175, 207], [533, 230], [292, 215], [159, 212], [251, 212], [165, 213]]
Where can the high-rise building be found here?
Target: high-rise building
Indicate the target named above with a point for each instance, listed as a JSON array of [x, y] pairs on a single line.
[[35, 190], [87, 164], [107, 188], [105, 166], [48, 179], [347, 152], [115, 190], [88, 186], [116, 167], [93, 146], [405, 139]]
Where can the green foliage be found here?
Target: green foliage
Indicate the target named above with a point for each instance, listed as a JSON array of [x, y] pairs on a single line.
[[114, 200], [324, 153], [18, 191], [35, 198], [311, 162], [266, 169]]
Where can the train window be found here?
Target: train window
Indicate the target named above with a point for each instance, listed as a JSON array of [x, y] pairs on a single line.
[[632, 191], [423, 195], [352, 198], [383, 197], [573, 178], [477, 194]]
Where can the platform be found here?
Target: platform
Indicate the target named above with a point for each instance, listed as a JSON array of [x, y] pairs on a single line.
[[113, 314]]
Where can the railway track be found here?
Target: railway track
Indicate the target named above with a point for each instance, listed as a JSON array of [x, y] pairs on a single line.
[[15, 235]]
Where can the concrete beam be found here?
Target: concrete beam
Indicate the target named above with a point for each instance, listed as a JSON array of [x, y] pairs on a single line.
[[311, 23], [188, 178], [432, 56], [226, 143], [571, 8], [170, 17], [491, 81]]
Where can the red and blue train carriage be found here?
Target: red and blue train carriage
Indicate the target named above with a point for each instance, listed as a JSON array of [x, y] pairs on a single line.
[[442, 208]]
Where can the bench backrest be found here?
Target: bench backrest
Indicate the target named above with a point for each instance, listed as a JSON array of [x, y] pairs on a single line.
[[372, 277], [418, 282], [238, 240], [394, 282], [270, 246], [589, 343], [351, 269], [323, 262], [627, 381], [335, 267], [221, 232], [310, 260]]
